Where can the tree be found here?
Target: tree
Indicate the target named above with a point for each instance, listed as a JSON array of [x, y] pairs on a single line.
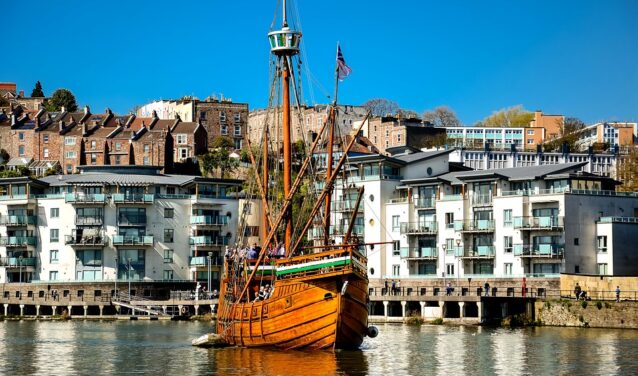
[[407, 114], [572, 124], [4, 156], [381, 107], [37, 91], [628, 171], [441, 116], [515, 116], [62, 98], [218, 157], [568, 135]]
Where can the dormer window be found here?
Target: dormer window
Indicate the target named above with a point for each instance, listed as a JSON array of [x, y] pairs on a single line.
[[69, 141], [181, 139]]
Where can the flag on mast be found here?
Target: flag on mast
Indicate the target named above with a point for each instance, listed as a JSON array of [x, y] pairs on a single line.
[[343, 70]]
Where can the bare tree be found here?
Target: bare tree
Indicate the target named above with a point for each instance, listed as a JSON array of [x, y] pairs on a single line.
[[381, 106], [441, 116]]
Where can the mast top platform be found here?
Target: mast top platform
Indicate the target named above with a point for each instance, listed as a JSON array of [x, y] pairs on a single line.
[[284, 42]]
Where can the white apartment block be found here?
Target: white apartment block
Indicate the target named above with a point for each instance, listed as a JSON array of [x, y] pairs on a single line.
[[431, 219], [115, 223]]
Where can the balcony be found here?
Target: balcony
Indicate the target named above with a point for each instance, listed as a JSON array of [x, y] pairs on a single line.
[[419, 253], [18, 241], [121, 240], [340, 230], [482, 200], [17, 262], [85, 240], [209, 220], [136, 198], [203, 261], [451, 197], [419, 228], [346, 206], [424, 202], [538, 223], [480, 252], [479, 225], [81, 198], [131, 220], [208, 241], [315, 233], [89, 221], [539, 250], [18, 220]]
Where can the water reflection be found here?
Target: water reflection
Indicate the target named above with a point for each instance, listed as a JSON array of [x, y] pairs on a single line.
[[81, 348]]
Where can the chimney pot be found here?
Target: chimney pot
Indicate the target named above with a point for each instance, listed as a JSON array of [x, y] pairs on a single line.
[[21, 95]]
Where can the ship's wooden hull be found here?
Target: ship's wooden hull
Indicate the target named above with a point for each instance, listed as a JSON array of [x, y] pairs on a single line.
[[302, 314]]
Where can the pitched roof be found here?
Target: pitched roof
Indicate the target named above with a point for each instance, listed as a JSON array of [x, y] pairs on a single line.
[[185, 127]]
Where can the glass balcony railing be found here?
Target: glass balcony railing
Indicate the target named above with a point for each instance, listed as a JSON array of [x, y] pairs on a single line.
[[424, 202], [132, 240], [89, 221], [538, 222], [480, 251], [482, 199], [85, 240], [133, 198], [17, 262], [418, 228], [339, 230], [539, 250], [479, 225], [18, 241], [203, 261], [209, 220], [208, 241], [419, 252], [95, 198], [18, 220]]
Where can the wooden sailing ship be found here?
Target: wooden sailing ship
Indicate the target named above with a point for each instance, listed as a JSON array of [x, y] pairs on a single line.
[[319, 297]]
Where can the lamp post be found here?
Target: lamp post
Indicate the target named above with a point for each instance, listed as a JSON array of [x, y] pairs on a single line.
[[116, 271], [129, 278], [443, 247], [458, 268], [209, 257], [20, 272]]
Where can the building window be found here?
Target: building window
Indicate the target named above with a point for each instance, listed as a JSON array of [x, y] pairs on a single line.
[[170, 191], [202, 115], [602, 269], [53, 256], [45, 138], [237, 118], [399, 138], [530, 141], [181, 139], [222, 116], [507, 218], [530, 132], [238, 143], [118, 159], [54, 235], [168, 235], [396, 248], [70, 141], [21, 136], [395, 223], [182, 153], [118, 146], [53, 275], [168, 275], [602, 243], [147, 148], [146, 161], [69, 169], [45, 152], [507, 244], [449, 269], [508, 269], [169, 212], [396, 269], [54, 212], [93, 159], [576, 241], [168, 256], [93, 144], [223, 129], [21, 150], [449, 220], [70, 155], [237, 130]]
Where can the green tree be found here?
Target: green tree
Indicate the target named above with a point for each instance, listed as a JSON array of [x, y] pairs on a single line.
[[628, 171], [4, 102], [62, 98], [4, 156], [218, 157], [37, 91], [515, 116], [441, 116]]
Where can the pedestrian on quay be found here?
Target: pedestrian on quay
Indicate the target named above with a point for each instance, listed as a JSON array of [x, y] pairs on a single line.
[[399, 287], [486, 286], [385, 286], [394, 287], [448, 289], [617, 294], [577, 291]]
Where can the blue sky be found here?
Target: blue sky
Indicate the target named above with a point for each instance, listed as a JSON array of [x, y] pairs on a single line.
[[578, 58]]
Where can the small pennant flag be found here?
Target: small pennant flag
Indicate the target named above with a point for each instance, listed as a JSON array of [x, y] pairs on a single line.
[[343, 70]]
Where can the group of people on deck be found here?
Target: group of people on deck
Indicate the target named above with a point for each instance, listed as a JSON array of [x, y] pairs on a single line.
[[264, 293], [252, 252]]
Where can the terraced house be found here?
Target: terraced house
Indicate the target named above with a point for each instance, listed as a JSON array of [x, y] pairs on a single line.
[[115, 223]]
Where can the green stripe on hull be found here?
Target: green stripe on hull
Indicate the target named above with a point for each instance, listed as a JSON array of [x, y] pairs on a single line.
[[314, 267]]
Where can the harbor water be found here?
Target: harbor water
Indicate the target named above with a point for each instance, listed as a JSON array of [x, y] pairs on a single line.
[[152, 347]]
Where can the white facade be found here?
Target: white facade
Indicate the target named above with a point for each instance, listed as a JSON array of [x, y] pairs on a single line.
[[86, 227]]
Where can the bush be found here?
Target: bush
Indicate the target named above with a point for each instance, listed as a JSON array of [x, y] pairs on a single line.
[[607, 305], [438, 321], [414, 320], [599, 305], [548, 305], [583, 304]]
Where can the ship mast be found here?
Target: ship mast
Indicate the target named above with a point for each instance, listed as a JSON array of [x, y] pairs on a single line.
[[284, 44]]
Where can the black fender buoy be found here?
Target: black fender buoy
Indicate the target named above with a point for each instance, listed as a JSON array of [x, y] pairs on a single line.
[[184, 310], [372, 331]]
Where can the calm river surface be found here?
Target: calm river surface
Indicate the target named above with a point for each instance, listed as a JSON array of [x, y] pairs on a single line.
[[163, 348]]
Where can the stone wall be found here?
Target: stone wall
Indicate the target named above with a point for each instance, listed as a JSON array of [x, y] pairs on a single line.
[[571, 313], [600, 287]]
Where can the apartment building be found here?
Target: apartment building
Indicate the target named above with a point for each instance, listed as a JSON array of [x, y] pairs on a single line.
[[306, 121], [390, 132], [115, 223], [425, 218], [607, 135], [220, 117]]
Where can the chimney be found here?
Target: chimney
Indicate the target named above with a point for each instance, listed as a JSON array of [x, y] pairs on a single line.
[[61, 125], [108, 111], [62, 109], [21, 94], [13, 119], [154, 114], [86, 110]]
